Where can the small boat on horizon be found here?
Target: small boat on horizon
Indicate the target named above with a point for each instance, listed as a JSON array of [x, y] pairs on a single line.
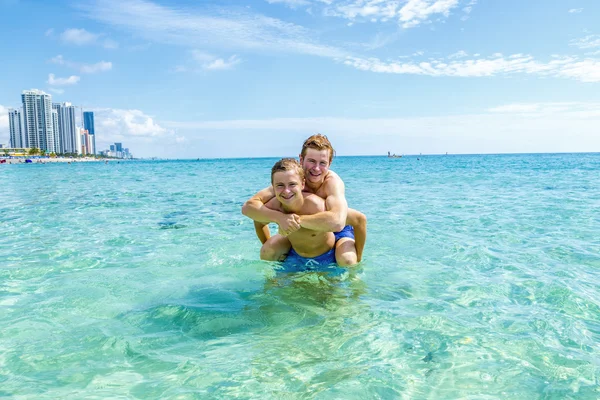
[[393, 155]]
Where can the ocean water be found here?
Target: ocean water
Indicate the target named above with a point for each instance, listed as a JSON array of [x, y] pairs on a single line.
[[480, 280]]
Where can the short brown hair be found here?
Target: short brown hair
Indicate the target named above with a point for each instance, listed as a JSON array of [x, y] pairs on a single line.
[[318, 142], [287, 164]]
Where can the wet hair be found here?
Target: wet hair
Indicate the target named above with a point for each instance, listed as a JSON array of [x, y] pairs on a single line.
[[287, 164], [318, 142]]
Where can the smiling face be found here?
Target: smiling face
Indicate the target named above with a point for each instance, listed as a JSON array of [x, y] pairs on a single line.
[[287, 179], [315, 164], [288, 186]]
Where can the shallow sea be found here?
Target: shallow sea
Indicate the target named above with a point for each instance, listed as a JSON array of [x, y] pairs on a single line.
[[481, 279]]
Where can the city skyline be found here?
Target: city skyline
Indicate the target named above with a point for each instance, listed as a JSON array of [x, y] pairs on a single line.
[[254, 78], [51, 127]]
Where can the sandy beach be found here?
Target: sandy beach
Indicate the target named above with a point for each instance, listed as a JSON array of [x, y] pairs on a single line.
[[49, 160]]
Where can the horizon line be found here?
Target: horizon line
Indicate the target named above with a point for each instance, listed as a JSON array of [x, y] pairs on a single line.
[[155, 158]]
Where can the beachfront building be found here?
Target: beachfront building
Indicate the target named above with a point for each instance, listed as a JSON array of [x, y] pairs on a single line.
[[85, 143], [55, 128], [90, 144], [117, 151], [15, 127], [67, 131], [38, 127], [88, 124]]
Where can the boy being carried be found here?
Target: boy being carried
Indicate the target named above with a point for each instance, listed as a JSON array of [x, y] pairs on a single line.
[[310, 249]]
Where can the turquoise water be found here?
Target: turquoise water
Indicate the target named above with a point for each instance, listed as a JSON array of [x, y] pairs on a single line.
[[481, 279]]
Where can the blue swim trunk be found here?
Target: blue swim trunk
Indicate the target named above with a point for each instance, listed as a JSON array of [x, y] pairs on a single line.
[[294, 262], [348, 231]]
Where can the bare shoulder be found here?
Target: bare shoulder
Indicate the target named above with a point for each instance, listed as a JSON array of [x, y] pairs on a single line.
[[332, 183], [266, 194], [274, 204], [313, 204]]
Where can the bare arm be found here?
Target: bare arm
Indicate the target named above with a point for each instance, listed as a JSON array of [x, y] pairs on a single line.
[[334, 218], [263, 232], [256, 209], [358, 221]]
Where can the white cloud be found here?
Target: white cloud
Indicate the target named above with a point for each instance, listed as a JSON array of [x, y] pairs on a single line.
[[58, 60], [565, 67], [93, 68], [81, 37], [78, 37], [71, 80], [134, 123], [83, 68], [139, 132], [575, 10], [219, 63], [588, 42], [119, 123], [219, 29], [211, 62], [568, 109], [584, 71], [209, 28], [408, 13], [458, 54], [201, 56], [49, 32], [290, 3], [538, 127], [417, 11], [515, 108]]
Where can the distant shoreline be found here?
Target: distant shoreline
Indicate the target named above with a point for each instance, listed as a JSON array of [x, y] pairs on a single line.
[[44, 160]]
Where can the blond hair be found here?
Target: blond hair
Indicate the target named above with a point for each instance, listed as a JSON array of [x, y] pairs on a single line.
[[287, 164], [318, 142]]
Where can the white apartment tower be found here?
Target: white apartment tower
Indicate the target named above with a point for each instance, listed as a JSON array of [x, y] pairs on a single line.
[[67, 131], [55, 129], [37, 120], [16, 128]]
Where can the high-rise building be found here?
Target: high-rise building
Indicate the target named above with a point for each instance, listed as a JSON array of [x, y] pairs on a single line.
[[37, 120], [88, 141], [55, 129], [16, 128], [67, 131], [116, 150], [88, 124], [78, 141]]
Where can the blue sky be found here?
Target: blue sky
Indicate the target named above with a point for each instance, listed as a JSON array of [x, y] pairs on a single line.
[[189, 78]]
